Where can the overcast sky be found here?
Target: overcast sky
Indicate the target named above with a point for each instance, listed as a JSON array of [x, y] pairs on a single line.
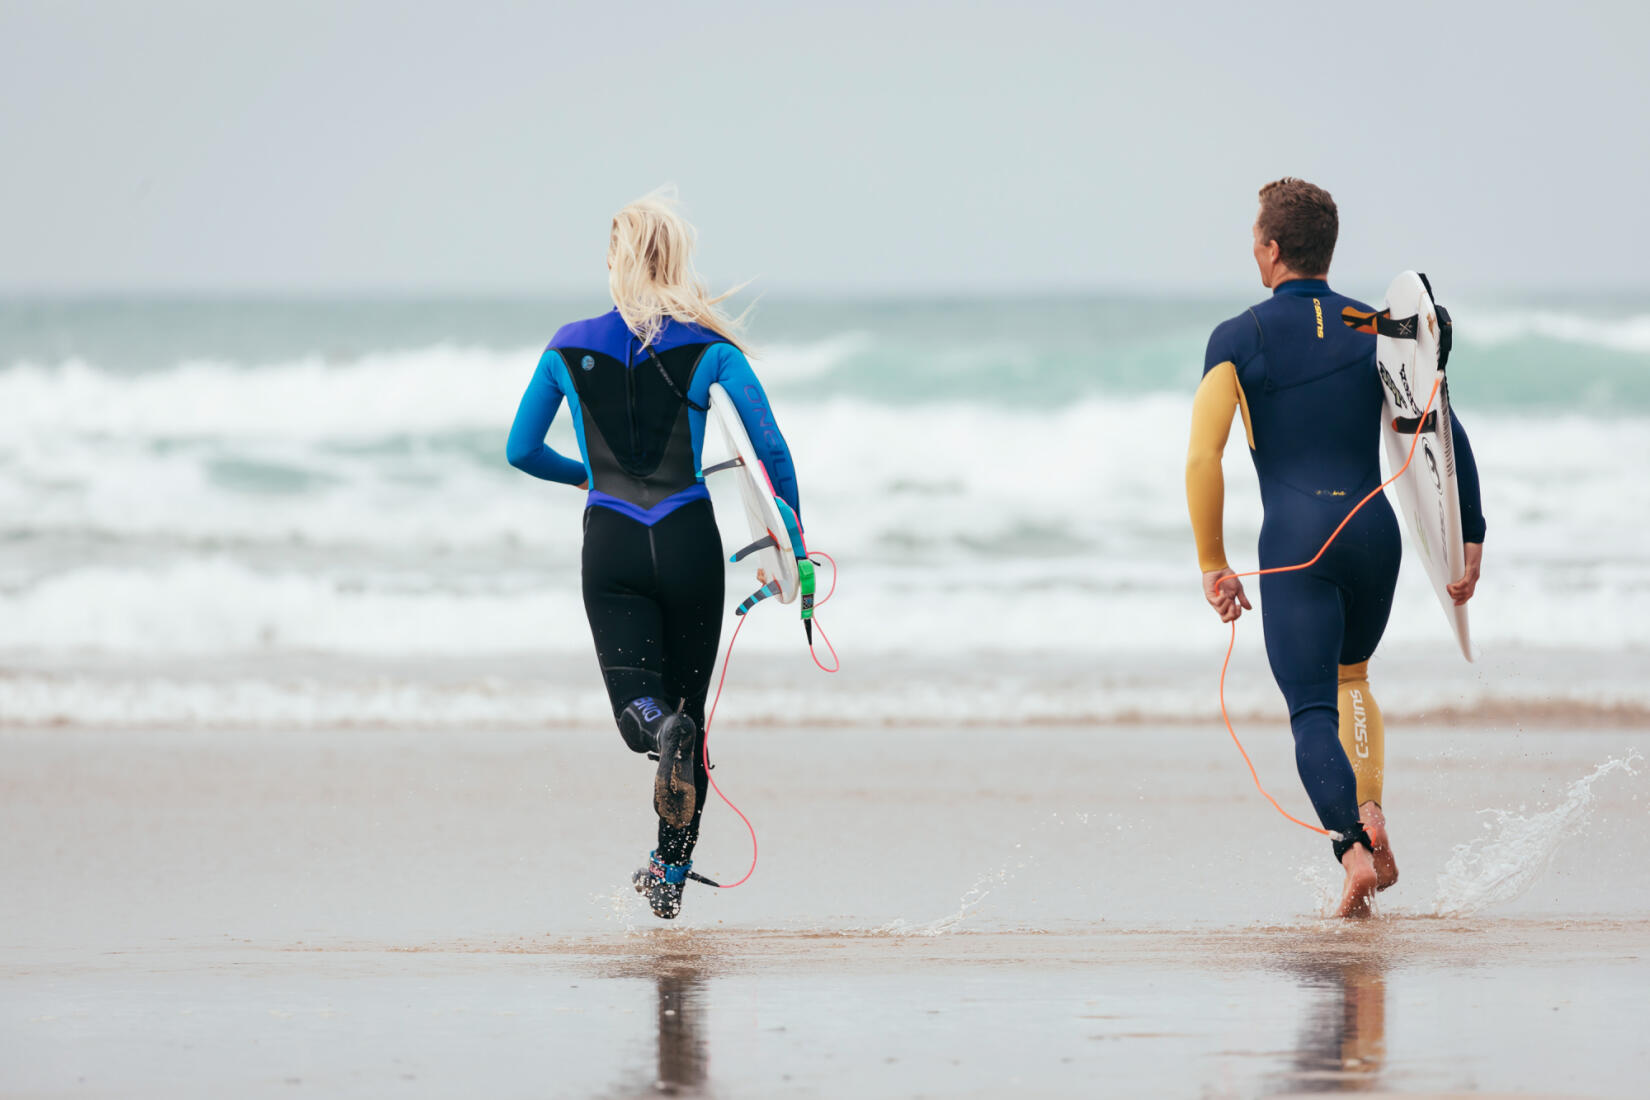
[[918, 148]]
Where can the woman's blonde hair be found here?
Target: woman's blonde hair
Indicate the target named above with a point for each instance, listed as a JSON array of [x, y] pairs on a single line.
[[651, 276]]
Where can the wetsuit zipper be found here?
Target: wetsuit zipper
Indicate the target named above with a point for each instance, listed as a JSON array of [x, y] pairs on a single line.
[[630, 396]]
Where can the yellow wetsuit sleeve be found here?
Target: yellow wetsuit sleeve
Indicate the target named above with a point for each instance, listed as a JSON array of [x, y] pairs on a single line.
[[1218, 396]]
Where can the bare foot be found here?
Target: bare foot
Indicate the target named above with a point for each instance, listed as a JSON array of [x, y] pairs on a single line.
[[1360, 883], [1386, 867]]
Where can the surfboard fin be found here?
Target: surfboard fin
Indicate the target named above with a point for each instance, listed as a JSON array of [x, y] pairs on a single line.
[[731, 464], [1409, 425], [767, 590], [760, 544]]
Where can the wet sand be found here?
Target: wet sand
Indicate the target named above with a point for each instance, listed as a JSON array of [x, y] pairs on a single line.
[[1038, 911]]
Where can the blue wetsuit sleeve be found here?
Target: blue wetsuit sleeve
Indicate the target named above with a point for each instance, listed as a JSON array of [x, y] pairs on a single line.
[[526, 450], [1466, 478], [734, 372], [1231, 342]]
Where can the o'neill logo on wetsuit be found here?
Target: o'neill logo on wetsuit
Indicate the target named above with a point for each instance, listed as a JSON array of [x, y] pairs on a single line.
[[1360, 725], [588, 362], [764, 418]]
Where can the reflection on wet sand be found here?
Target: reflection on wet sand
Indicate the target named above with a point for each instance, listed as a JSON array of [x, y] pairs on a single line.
[[682, 1059], [1342, 1044]]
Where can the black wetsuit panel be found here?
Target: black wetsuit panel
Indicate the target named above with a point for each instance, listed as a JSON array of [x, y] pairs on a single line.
[[654, 599]]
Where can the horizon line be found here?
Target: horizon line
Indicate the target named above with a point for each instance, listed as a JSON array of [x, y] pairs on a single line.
[[783, 294]]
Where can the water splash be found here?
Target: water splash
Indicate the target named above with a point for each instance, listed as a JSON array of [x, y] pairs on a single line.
[[987, 884], [1505, 862], [625, 906], [978, 893], [1325, 889]]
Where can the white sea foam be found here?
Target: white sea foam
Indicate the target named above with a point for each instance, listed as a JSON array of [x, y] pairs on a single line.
[[1499, 328], [785, 697], [363, 509], [204, 606], [403, 393], [1516, 848]]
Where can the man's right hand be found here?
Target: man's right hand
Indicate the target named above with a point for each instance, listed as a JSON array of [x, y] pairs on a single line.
[[1224, 592], [1461, 591]]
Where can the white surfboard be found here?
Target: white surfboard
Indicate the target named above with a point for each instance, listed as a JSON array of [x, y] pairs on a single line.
[[775, 543], [1427, 495]]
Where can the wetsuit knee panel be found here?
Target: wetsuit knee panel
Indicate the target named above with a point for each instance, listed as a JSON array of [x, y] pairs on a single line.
[[1303, 697]]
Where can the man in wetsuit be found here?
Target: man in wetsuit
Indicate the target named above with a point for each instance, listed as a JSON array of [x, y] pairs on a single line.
[[1311, 402]]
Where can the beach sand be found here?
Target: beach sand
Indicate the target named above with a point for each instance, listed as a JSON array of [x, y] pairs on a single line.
[[1105, 910]]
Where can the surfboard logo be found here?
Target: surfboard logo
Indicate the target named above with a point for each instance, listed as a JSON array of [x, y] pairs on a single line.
[[1386, 378]]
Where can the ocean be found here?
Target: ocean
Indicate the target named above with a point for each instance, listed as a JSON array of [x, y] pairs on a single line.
[[310, 780], [296, 513]]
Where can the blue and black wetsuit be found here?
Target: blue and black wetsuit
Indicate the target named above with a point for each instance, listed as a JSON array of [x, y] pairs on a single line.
[[652, 561], [1311, 403]]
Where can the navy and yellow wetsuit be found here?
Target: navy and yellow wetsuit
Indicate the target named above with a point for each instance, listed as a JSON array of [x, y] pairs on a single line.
[[1311, 404], [652, 561]]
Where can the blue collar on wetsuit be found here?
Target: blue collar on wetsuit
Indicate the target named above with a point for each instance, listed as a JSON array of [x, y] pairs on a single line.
[[1304, 287], [607, 334]]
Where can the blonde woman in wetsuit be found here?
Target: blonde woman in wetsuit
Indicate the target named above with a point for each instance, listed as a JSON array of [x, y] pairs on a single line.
[[636, 381]]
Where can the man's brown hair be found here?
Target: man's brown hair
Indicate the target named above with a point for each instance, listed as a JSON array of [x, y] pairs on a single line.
[[1302, 219]]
